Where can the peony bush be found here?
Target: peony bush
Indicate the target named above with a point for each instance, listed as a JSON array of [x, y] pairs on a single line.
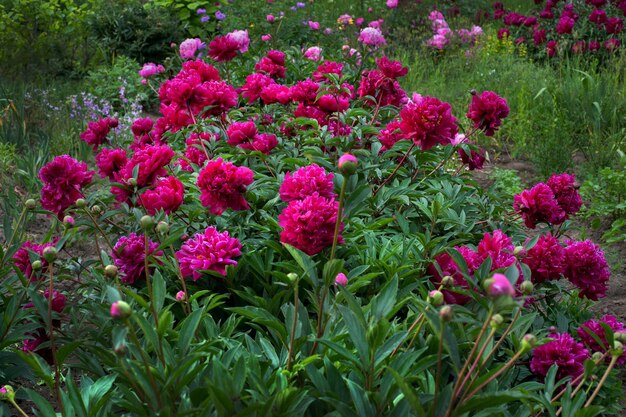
[[297, 236]]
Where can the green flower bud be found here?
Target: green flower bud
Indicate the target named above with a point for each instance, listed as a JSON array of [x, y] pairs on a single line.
[[526, 287], [7, 393], [597, 356], [435, 298], [30, 204], [446, 313], [81, 203], [496, 320], [50, 253], [146, 222], [121, 310], [96, 209], [447, 281], [132, 182], [37, 265], [293, 277], [528, 342], [162, 227], [621, 336], [519, 250], [618, 348], [110, 271]]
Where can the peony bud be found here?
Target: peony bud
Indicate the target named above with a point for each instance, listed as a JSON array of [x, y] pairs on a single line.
[[81, 203], [597, 356], [120, 350], [181, 296], [96, 209], [341, 279], [162, 227], [132, 182], [496, 320], [68, 221], [499, 285], [347, 164], [446, 313], [618, 348], [292, 277], [519, 251], [37, 265], [50, 253], [7, 393], [447, 281], [473, 91], [110, 271], [528, 342], [121, 310], [435, 298], [526, 287], [146, 222], [621, 336], [30, 204]]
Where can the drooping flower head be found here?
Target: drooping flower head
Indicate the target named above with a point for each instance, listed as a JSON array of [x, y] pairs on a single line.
[[223, 186], [487, 111], [273, 64], [63, 178], [210, 250], [563, 351], [428, 121], [309, 224], [241, 132], [129, 256], [587, 268], [391, 69], [305, 182]]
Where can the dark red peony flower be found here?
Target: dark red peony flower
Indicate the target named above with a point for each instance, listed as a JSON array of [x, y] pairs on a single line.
[[565, 191], [546, 259], [110, 162], [129, 256], [562, 351], [96, 133], [63, 178], [428, 122], [587, 269], [538, 205], [167, 195], [487, 111], [593, 327]]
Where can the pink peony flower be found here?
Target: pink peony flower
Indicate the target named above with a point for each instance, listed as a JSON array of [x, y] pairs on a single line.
[[149, 69], [110, 162], [96, 133], [546, 259], [372, 37], [587, 269], [390, 135], [487, 111], [223, 185], [63, 178], [314, 53], [538, 205], [450, 268], [474, 160], [189, 47], [276, 93], [566, 193], [328, 67], [194, 152], [225, 48], [241, 132], [262, 142], [392, 4], [266, 38], [500, 286], [593, 327], [305, 91], [428, 121], [562, 351], [167, 196], [255, 83], [391, 69], [210, 250], [341, 279], [612, 44], [307, 181], [272, 65], [129, 256], [309, 224], [314, 25]]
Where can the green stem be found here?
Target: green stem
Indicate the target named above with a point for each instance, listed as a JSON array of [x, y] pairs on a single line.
[[342, 195], [395, 170], [476, 361], [602, 381], [95, 223], [293, 327], [18, 408], [155, 315], [17, 227], [144, 359], [497, 374], [438, 374], [57, 375]]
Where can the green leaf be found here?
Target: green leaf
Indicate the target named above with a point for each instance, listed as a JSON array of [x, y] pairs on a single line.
[[408, 392], [306, 263], [188, 329], [158, 290], [384, 302], [44, 409]]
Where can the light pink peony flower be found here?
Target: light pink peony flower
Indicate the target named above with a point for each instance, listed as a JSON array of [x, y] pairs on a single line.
[[372, 37]]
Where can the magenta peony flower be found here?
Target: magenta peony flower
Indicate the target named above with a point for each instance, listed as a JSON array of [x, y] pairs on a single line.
[[129, 256], [587, 269], [390, 135], [341, 279], [474, 160], [309, 224], [546, 259], [614, 25], [450, 268], [328, 67], [499, 248], [386, 91], [392, 4], [598, 16], [566, 193], [593, 327], [255, 83], [565, 25], [276, 93], [539, 37], [391, 69], [262, 142], [307, 181], [110, 162], [272, 65], [372, 37], [563, 351], [151, 162], [194, 152], [428, 122], [210, 250], [167, 196], [487, 111], [222, 185], [241, 132], [96, 133], [305, 91], [225, 48], [21, 258], [551, 48], [63, 179], [538, 205]]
